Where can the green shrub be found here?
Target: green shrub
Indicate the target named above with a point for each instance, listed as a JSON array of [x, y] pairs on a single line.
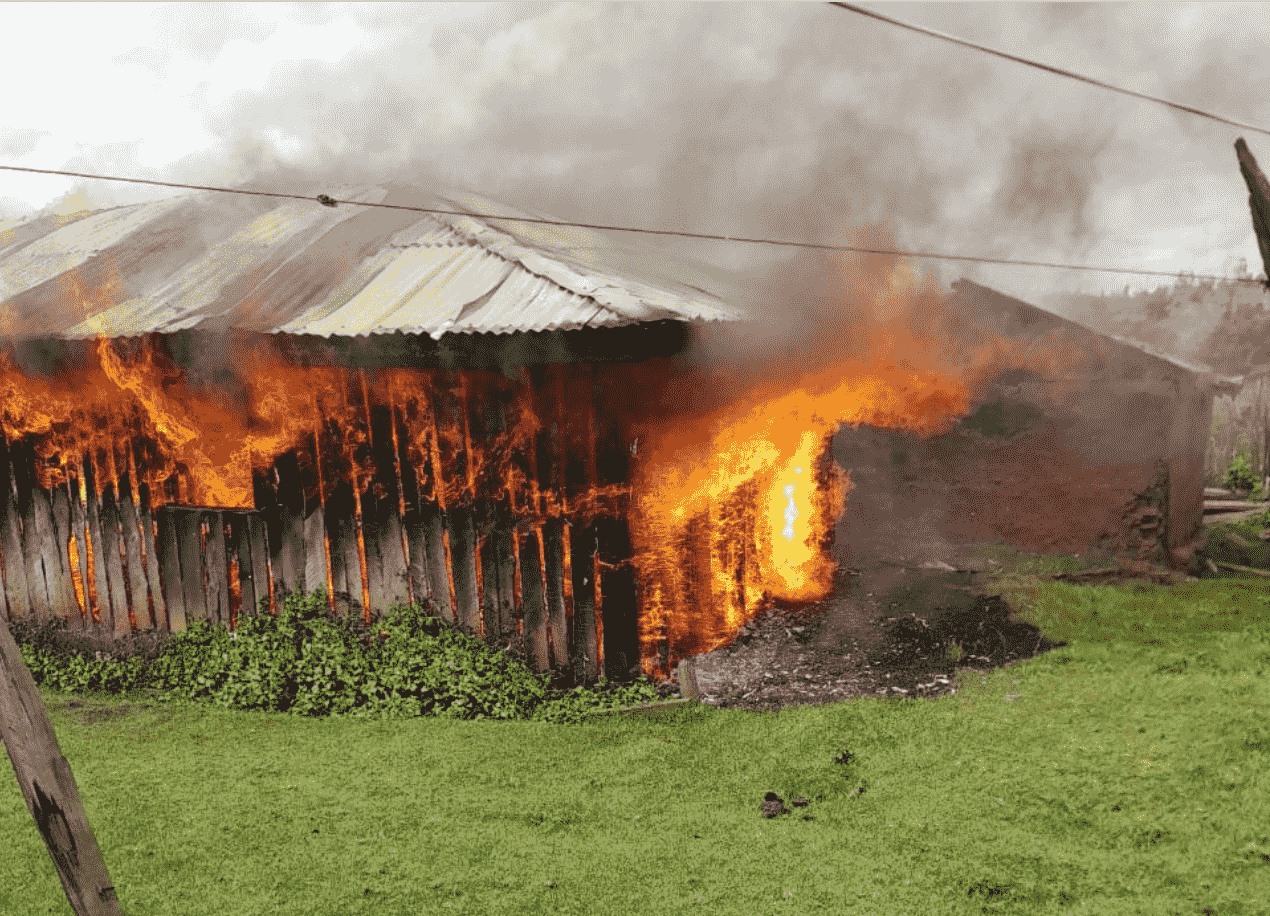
[[408, 663], [1239, 475]]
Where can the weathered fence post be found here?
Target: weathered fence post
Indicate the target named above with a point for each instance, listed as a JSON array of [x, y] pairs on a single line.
[[49, 787]]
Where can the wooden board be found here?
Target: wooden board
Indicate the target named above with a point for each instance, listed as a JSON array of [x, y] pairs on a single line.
[[78, 526], [288, 559], [146, 522], [24, 482], [434, 533], [217, 569], [463, 560], [135, 570], [111, 566], [616, 587], [237, 547], [191, 551], [583, 649], [346, 568], [15, 578], [370, 543], [557, 607], [314, 548], [417, 540], [170, 567], [534, 601], [259, 549], [101, 581], [61, 519]]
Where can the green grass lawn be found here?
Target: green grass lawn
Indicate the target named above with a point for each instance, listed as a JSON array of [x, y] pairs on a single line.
[[1122, 774]]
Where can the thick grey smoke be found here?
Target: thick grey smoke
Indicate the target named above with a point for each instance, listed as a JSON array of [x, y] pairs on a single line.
[[789, 120]]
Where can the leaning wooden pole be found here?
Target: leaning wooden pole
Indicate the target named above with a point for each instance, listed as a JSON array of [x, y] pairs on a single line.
[[1258, 200], [49, 787]]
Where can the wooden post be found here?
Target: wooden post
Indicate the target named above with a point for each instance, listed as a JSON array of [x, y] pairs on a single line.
[[1258, 200], [48, 785]]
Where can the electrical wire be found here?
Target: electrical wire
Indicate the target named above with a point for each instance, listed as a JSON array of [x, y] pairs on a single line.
[[851, 7], [601, 227]]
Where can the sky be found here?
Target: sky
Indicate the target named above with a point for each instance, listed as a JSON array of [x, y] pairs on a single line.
[[794, 121]]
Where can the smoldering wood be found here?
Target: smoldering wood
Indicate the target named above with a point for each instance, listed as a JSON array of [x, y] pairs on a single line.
[[393, 568], [15, 578], [417, 540], [170, 567], [68, 605], [534, 602], [616, 585], [138, 583], [48, 786], [463, 560], [371, 545], [56, 580], [288, 552], [238, 547], [101, 582], [314, 547], [111, 566], [259, 550], [582, 648], [188, 543], [217, 568], [433, 524], [341, 527], [22, 460], [146, 522], [551, 568], [78, 520], [499, 573]]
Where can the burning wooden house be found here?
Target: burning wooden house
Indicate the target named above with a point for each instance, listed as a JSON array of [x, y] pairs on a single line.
[[209, 402]]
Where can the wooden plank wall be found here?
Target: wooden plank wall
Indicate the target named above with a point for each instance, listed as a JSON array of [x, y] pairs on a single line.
[[503, 539]]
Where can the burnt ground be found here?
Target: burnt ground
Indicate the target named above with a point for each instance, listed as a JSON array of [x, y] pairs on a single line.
[[886, 632]]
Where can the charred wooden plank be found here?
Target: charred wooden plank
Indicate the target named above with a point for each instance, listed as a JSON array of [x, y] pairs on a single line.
[[23, 460], [392, 557], [264, 486], [463, 558], [435, 537], [101, 581], [346, 570], [370, 546], [314, 548], [258, 547], [217, 567], [111, 562], [583, 650], [498, 574], [135, 570], [615, 582], [170, 567], [146, 522], [534, 601], [288, 563], [238, 559], [389, 551], [15, 578], [189, 543], [416, 539], [79, 528], [62, 531], [557, 606]]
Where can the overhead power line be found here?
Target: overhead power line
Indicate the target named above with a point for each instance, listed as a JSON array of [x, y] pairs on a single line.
[[1047, 68], [602, 227]]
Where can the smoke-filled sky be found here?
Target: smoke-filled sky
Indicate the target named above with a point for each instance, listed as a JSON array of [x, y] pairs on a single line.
[[797, 121]]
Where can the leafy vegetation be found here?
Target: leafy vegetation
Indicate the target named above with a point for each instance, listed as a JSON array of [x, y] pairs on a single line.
[[1123, 773], [304, 662]]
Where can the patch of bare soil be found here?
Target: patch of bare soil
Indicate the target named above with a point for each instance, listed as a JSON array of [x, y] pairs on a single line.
[[886, 632]]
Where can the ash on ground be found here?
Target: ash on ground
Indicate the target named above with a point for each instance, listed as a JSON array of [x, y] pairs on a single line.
[[888, 631]]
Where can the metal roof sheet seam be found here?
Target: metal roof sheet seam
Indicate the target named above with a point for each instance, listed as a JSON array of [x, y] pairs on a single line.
[[291, 268]]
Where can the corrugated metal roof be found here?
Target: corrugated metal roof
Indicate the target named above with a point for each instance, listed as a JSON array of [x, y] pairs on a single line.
[[293, 266]]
